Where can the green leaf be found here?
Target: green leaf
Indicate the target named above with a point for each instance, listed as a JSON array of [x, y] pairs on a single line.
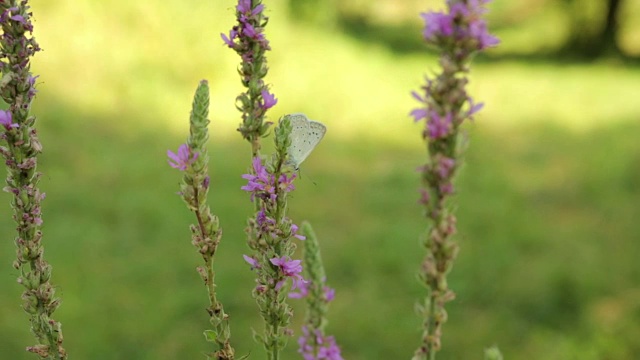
[[210, 335]]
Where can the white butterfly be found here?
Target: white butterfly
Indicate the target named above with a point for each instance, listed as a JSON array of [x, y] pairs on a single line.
[[305, 136]]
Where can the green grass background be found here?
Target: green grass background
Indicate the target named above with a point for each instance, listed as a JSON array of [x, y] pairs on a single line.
[[548, 198]]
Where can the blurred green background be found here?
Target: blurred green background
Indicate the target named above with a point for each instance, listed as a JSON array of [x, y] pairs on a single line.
[[548, 199]]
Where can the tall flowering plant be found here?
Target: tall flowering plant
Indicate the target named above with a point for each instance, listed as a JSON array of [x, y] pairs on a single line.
[[458, 34], [270, 237], [269, 181], [248, 40], [17, 130], [192, 159], [314, 344]]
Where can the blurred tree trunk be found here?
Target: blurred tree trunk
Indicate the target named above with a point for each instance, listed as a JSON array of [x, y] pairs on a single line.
[[610, 30], [592, 36]]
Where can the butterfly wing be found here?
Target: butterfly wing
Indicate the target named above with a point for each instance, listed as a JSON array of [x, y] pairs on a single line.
[[299, 127], [305, 135]]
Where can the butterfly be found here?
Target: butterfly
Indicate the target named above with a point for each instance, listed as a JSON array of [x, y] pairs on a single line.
[[305, 136]]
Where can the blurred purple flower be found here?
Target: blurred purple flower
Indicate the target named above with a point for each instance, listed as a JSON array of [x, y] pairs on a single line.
[[418, 114], [243, 6], [478, 30], [436, 24], [473, 107], [329, 293], [438, 126], [445, 166], [327, 349], [462, 21], [303, 289], [294, 232]]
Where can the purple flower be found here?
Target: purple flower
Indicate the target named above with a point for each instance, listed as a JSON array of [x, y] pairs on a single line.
[[446, 188], [253, 262], [249, 31], [437, 24], [244, 6], [473, 107], [6, 120], [290, 268], [478, 30], [266, 224], [445, 166], [182, 159], [418, 114], [459, 10], [261, 184], [329, 293], [286, 182], [438, 126], [19, 18], [233, 34], [424, 197], [330, 350], [303, 289], [294, 232], [268, 100], [461, 22], [326, 346]]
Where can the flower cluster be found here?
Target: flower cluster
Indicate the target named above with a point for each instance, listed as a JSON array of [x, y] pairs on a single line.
[[315, 346], [250, 30], [440, 122], [445, 105], [270, 234], [262, 184], [192, 159], [463, 23], [288, 268], [248, 40], [304, 287]]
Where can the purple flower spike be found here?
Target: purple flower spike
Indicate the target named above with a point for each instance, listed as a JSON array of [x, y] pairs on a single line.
[[182, 159], [327, 347], [6, 120]]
